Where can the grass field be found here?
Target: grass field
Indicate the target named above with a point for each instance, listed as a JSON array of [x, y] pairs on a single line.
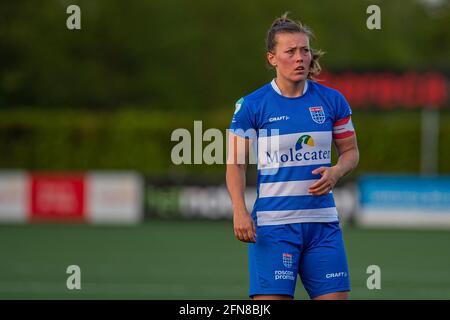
[[199, 260]]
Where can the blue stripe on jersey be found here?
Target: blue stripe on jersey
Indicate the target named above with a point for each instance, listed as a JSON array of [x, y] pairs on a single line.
[[292, 174], [295, 202]]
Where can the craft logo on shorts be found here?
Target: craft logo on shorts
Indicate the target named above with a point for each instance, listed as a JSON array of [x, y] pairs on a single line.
[[317, 114], [287, 260], [336, 275]]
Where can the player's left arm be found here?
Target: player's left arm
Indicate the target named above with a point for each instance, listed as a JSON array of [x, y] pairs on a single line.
[[347, 148], [348, 152]]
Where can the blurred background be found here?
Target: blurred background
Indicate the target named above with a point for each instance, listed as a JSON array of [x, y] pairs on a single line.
[[86, 118]]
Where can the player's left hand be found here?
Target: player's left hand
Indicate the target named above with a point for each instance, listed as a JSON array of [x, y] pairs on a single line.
[[326, 183]]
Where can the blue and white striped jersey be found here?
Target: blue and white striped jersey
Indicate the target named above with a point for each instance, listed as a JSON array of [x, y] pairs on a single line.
[[292, 136]]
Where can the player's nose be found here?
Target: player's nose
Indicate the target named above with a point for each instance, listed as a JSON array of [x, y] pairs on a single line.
[[299, 57]]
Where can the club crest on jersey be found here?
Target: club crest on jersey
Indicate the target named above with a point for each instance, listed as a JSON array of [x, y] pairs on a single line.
[[317, 114], [287, 260]]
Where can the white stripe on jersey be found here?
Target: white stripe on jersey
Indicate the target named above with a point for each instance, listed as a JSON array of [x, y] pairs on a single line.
[[281, 150], [297, 216], [343, 128]]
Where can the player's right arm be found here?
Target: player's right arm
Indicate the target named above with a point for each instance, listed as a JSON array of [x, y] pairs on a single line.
[[238, 151]]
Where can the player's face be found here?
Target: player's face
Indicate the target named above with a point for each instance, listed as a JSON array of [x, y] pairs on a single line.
[[292, 56]]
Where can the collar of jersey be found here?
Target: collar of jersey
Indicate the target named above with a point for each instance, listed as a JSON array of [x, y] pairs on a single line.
[[277, 90]]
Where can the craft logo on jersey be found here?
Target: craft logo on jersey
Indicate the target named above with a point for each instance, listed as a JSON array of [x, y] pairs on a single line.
[[287, 260], [304, 139], [317, 114]]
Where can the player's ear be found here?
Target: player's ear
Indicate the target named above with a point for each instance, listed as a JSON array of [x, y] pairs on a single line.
[[271, 59]]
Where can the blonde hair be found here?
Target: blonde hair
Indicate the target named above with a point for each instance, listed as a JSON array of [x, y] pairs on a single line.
[[285, 25]]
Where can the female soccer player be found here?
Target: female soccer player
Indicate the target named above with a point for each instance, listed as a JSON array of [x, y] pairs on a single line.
[[293, 120]]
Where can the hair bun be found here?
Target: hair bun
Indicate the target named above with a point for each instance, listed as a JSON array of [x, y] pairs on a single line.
[[281, 20]]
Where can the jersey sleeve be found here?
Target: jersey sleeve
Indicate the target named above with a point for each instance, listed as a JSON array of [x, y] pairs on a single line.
[[242, 123], [343, 126]]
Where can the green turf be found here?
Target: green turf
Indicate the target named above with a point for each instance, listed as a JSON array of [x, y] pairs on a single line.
[[199, 260]]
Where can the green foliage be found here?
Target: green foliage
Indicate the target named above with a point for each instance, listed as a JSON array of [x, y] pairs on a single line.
[[184, 55], [141, 140], [137, 70]]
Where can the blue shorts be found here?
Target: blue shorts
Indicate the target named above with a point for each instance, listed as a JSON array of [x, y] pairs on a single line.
[[315, 251]]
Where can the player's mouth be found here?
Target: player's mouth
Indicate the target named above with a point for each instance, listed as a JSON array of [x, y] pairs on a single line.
[[300, 69]]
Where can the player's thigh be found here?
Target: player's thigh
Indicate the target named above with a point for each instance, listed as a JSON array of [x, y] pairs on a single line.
[[273, 262], [323, 266]]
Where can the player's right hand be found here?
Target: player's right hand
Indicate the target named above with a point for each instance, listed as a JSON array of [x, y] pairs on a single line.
[[244, 228]]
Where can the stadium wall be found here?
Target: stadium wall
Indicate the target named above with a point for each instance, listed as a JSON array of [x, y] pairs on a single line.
[[90, 197], [403, 201], [114, 197]]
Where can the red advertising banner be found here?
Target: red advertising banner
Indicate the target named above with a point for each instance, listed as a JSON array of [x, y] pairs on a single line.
[[388, 90], [57, 197]]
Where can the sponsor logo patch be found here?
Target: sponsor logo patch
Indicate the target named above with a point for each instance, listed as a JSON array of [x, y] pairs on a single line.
[[284, 275], [238, 105]]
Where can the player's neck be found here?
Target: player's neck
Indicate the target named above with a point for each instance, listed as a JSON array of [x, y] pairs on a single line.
[[290, 89]]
